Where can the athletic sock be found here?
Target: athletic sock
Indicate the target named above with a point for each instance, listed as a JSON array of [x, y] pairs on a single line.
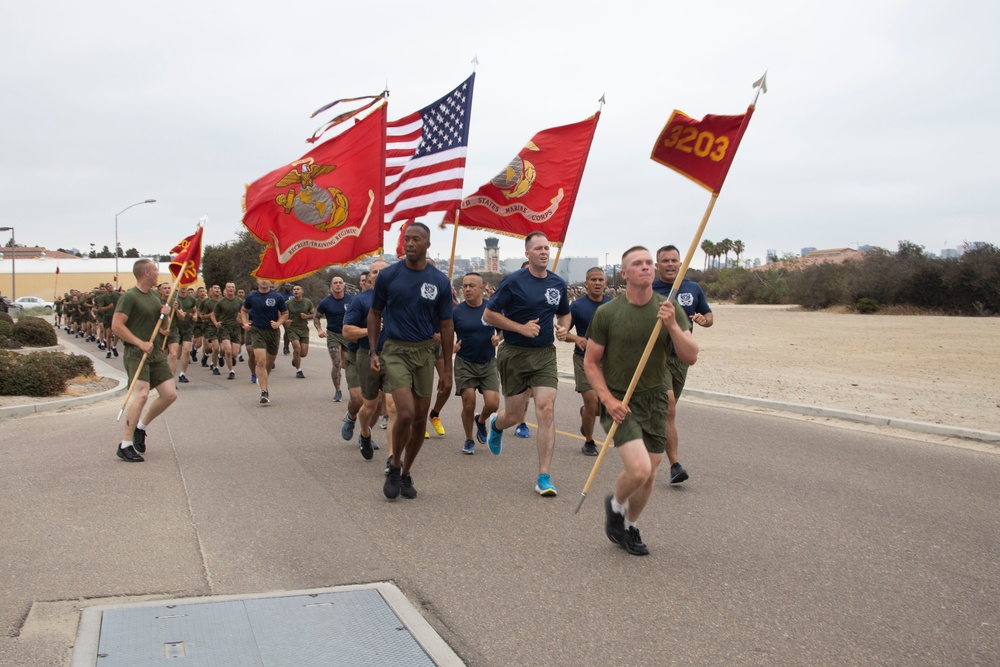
[[434, 413], [140, 426], [615, 507], [125, 444], [629, 524], [493, 427]]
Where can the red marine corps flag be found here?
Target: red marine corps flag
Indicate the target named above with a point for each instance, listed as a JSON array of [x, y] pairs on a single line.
[[188, 260], [324, 208], [536, 191]]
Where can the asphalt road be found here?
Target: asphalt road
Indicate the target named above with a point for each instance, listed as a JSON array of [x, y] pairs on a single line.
[[792, 544]]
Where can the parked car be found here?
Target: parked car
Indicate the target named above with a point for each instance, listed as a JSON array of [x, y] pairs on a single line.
[[32, 302]]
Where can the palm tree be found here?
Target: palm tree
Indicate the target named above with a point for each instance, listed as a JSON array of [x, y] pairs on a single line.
[[725, 245], [738, 248], [706, 247]]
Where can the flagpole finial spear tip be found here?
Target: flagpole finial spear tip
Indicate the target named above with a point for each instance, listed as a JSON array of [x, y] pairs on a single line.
[[475, 62], [602, 101], [202, 221]]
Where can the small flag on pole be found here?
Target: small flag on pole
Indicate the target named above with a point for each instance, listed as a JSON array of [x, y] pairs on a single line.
[[703, 149], [188, 258]]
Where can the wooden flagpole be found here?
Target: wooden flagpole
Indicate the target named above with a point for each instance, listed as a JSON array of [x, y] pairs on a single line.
[[454, 242], [156, 330], [649, 348], [555, 264]]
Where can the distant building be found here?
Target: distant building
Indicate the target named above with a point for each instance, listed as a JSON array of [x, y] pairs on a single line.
[[772, 256], [491, 254], [806, 251], [829, 256], [949, 253], [756, 262], [574, 269]]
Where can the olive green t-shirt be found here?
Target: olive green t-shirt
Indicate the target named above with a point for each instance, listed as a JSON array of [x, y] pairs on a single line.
[[186, 304], [206, 306], [226, 310], [295, 310], [624, 329], [142, 310]]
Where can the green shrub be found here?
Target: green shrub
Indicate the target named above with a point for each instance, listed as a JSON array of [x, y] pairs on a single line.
[[7, 343], [23, 376], [4, 317], [6, 327], [68, 366], [866, 306], [34, 332]]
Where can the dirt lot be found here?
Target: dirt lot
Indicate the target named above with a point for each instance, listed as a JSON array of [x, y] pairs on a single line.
[[941, 370]]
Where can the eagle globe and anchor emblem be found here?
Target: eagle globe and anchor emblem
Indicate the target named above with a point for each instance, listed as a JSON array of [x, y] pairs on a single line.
[[322, 208]]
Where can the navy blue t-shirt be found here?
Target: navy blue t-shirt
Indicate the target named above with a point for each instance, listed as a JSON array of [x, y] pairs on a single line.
[[475, 335], [264, 308], [334, 310], [416, 301], [582, 311], [357, 316], [689, 295], [522, 297]]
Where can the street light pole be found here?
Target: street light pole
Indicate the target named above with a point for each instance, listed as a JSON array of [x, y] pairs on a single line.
[[13, 266], [148, 201]]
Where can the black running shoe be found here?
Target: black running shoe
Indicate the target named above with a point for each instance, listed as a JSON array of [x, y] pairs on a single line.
[[128, 454], [216, 371], [633, 543], [614, 523], [114, 351], [264, 398], [194, 355], [589, 448], [677, 473], [388, 464], [139, 440], [108, 355], [365, 444], [183, 379], [406, 486], [392, 482]]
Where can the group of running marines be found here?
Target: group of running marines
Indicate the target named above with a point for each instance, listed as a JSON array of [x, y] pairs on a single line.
[[406, 322]]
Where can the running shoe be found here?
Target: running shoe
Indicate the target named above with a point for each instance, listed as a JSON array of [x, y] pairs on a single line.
[[241, 358], [633, 543], [139, 440], [128, 454], [385, 422], [427, 435], [232, 375], [589, 448], [365, 445], [388, 465], [347, 429], [392, 483], [286, 351], [108, 355], [677, 473], [194, 355], [406, 486], [522, 431], [216, 371], [253, 378], [544, 486], [436, 424], [264, 398], [183, 379], [480, 431], [114, 351], [299, 374], [495, 438], [614, 523], [470, 447], [338, 397]]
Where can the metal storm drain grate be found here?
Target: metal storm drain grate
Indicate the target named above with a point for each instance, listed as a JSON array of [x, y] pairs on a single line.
[[355, 625]]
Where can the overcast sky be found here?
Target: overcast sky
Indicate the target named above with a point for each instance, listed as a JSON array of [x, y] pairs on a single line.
[[881, 123]]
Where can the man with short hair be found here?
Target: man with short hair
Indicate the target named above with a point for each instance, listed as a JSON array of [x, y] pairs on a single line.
[[300, 311], [213, 330], [185, 328], [137, 315], [414, 296], [692, 299], [263, 313], [524, 306], [618, 334], [106, 306], [475, 360], [333, 307], [198, 326], [581, 312], [350, 363], [225, 318], [370, 383]]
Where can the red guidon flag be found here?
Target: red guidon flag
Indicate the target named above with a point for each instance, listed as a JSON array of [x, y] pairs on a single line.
[[324, 208], [703, 149], [188, 259], [536, 191]]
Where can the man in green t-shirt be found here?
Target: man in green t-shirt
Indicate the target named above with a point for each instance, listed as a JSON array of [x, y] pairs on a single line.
[[185, 328], [226, 323], [212, 332], [618, 334], [136, 316], [300, 312]]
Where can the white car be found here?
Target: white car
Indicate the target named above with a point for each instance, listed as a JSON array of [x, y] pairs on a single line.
[[32, 302]]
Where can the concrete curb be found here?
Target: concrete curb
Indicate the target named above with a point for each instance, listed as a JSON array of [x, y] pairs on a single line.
[[845, 415], [101, 369]]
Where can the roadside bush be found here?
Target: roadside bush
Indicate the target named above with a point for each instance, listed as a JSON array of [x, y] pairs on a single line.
[[68, 366], [34, 332], [745, 286], [4, 317], [25, 376], [7, 343], [6, 327], [819, 286], [866, 306]]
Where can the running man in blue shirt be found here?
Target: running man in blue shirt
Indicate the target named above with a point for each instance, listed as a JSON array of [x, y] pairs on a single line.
[[581, 312], [414, 295], [524, 306], [333, 307], [263, 313], [475, 360], [692, 300]]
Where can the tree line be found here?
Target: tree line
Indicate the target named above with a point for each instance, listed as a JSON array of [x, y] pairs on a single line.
[[968, 285]]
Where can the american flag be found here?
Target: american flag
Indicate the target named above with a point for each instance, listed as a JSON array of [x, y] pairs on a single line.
[[425, 157]]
